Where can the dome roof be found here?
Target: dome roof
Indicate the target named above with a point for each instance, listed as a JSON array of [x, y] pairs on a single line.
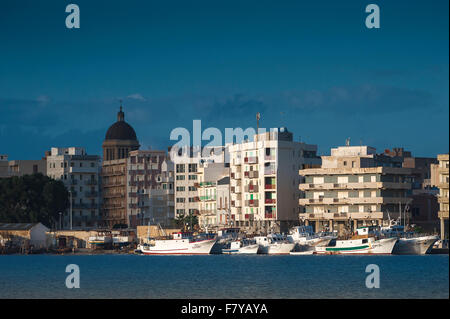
[[121, 130]]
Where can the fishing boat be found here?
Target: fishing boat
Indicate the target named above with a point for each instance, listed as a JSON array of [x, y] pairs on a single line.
[[304, 235], [361, 243], [243, 246], [274, 244], [224, 237], [181, 243], [408, 243]]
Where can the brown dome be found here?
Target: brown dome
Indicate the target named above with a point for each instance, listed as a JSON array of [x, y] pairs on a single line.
[[121, 130]]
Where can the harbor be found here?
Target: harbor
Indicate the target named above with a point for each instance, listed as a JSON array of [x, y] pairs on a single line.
[[224, 276]]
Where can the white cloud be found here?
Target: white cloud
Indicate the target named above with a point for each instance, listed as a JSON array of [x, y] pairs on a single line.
[[137, 96]]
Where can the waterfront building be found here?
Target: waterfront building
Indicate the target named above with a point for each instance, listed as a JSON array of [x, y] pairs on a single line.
[[264, 180], [4, 165], [208, 178], [23, 235], [149, 188], [120, 140], [354, 187], [189, 163], [223, 217], [27, 167], [443, 194], [80, 173]]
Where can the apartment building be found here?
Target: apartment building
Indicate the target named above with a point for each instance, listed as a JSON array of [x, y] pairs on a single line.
[[120, 140], [189, 165], [208, 182], [80, 173], [149, 188], [354, 187], [223, 217], [27, 167], [443, 194], [264, 180], [4, 165]]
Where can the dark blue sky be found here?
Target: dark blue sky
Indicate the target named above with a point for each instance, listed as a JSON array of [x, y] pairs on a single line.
[[312, 66]]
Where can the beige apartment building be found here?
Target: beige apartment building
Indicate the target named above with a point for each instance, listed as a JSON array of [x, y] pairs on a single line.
[[120, 140], [443, 194], [27, 167], [209, 176], [353, 189], [80, 173], [149, 188], [264, 180]]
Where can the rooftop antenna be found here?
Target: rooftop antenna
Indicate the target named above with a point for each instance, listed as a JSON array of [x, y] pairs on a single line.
[[347, 142]]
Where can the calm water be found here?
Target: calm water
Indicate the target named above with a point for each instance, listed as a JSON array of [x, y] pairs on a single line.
[[221, 276]]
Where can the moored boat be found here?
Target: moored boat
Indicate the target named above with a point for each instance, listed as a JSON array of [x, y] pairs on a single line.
[[361, 243], [408, 243], [274, 244], [180, 244], [243, 246]]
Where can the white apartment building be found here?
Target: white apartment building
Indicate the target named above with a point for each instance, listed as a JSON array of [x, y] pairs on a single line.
[[80, 174], [264, 180], [352, 188], [189, 164], [149, 188]]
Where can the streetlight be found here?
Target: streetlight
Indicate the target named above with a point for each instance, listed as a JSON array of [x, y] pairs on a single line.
[[60, 225]]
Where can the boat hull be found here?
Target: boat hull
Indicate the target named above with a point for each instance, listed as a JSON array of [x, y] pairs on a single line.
[[246, 250], [414, 246], [276, 249], [383, 246], [180, 247]]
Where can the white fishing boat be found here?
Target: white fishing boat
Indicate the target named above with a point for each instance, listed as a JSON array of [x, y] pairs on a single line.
[[408, 243], [243, 246], [361, 243], [180, 244], [304, 235], [274, 244], [224, 237]]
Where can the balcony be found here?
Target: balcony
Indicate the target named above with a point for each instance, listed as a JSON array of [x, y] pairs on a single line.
[[251, 160], [252, 174], [252, 203], [270, 201], [269, 216], [91, 182], [270, 186], [269, 158], [250, 188], [269, 171]]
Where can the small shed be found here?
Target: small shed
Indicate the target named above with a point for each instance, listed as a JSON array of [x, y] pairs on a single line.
[[23, 235]]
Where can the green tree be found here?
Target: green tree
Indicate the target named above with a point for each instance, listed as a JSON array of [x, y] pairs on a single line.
[[32, 198]]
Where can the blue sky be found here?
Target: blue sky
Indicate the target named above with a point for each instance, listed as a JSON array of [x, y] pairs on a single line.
[[311, 66]]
